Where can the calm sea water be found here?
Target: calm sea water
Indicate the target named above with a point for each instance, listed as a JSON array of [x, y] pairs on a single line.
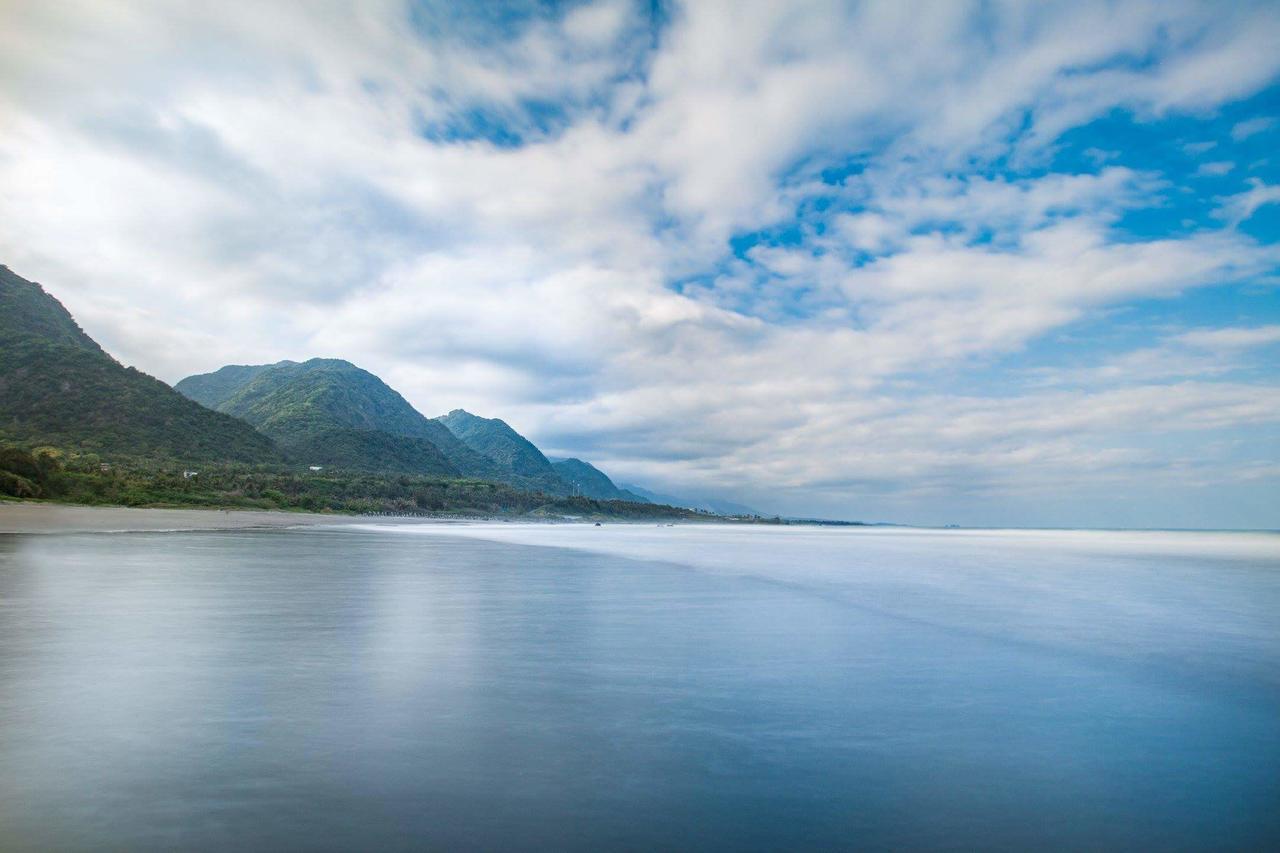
[[553, 687]]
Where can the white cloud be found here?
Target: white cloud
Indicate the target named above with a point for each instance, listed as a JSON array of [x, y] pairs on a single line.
[[1241, 207], [1215, 169], [1195, 354], [1252, 127], [1231, 338], [209, 184]]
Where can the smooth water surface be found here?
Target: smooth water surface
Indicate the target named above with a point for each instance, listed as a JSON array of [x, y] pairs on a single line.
[[637, 687]]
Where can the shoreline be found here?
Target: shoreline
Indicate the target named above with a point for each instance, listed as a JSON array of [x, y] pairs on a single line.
[[47, 517], [44, 518]]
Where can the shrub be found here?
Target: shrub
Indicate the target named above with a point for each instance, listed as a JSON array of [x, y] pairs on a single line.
[[17, 486]]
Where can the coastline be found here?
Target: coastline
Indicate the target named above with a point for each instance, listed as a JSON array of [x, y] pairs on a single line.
[[32, 517], [40, 517]]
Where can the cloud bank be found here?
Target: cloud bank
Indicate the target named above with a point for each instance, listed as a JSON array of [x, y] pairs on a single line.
[[985, 263]]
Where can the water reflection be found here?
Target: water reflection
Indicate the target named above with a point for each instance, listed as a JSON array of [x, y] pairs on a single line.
[[328, 689]]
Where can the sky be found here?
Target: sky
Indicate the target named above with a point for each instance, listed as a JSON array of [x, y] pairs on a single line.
[[990, 263]]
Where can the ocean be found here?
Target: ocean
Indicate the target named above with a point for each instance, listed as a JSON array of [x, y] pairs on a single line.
[[518, 686]]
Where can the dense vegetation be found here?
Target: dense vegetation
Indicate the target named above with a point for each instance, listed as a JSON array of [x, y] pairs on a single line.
[[213, 389], [520, 462], [288, 401], [85, 479], [59, 387], [28, 314], [24, 474], [371, 450]]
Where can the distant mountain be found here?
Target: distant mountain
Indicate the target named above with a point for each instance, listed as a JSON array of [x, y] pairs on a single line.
[[656, 497], [586, 479], [722, 507], [329, 409], [519, 461], [58, 387], [715, 505]]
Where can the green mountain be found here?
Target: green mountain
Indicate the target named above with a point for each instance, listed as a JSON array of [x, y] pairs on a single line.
[[329, 412], [372, 450], [214, 389], [291, 401], [519, 462], [586, 479], [58, 387]]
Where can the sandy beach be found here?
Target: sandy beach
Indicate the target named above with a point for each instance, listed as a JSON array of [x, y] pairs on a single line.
[[61, 518]]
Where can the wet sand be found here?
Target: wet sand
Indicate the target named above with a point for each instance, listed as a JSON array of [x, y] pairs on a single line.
[[60, 518]]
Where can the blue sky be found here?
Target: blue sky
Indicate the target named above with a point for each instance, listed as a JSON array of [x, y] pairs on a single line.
[[982, 263]]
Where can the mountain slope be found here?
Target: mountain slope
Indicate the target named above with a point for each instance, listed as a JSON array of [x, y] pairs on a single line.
[[293, 401], [30, 316], [519, 461], [372, 450], [57, 386], [214, 389], [586, 479], [373, 427]]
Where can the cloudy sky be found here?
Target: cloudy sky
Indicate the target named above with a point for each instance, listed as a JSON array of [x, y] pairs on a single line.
[[982, 263]]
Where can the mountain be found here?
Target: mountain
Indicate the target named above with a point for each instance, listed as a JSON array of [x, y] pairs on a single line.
[[586, 479], [520, 463], [214, 389], [657, 497], [58, 387], [723, 507], [291, 401], [719, 507], [327, 411], [372, 450]]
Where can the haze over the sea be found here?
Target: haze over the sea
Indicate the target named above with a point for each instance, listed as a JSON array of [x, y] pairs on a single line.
[[1000, 264]]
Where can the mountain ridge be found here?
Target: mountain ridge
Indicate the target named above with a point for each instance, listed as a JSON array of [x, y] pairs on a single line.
[[213, 389], [59, 386], [516, 456], [296, 402]]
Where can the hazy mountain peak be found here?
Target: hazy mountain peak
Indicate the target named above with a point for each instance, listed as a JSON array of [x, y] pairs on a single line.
[[586, 479]]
